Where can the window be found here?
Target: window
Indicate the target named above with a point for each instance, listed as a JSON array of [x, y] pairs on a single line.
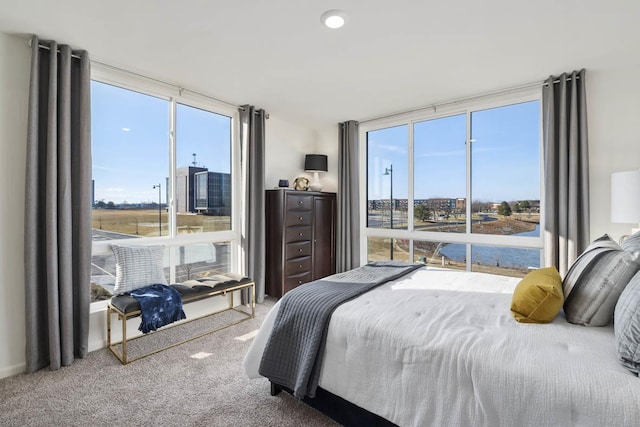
[[152, 188], [386, 147], [459, 188]]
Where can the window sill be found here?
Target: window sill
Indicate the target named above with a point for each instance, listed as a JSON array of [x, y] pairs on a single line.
[[98, 307]]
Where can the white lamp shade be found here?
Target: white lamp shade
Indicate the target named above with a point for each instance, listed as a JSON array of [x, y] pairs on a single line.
[[625, 197]]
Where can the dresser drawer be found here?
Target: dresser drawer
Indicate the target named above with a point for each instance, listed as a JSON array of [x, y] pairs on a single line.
[[299, 202], [291, 282], [297, 265], [298, 233], [298, 218], [297, 249]]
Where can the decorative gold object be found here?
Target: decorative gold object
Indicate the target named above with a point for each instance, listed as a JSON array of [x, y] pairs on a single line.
[[301, 183]]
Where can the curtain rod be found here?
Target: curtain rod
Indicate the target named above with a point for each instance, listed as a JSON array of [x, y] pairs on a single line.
[[179, 88], [44, 46], [469, 98]]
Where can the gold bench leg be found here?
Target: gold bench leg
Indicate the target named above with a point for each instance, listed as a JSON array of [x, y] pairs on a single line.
[[124, 339]]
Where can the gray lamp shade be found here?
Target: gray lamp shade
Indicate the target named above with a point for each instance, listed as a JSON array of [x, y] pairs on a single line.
[[315, 163]]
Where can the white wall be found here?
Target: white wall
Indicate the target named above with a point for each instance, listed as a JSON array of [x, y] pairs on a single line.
[[286, 145], [614, 142], [614, 146], [14, 91]]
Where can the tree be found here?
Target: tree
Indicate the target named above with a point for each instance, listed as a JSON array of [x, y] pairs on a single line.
[[504, 209], [422, 211], [480, 206], [517, 207]]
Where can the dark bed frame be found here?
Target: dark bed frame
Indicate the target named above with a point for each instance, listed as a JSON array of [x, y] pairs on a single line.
[[338, 409]]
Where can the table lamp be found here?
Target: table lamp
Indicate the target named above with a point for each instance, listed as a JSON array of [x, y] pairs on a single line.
[[315, 163]]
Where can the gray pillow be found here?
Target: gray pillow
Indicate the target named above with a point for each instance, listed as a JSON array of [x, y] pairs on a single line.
[[627, 325], [137, 267], [631, 243], [596, 279]]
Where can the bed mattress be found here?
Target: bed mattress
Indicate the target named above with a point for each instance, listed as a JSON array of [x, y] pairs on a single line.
[[440, 347]]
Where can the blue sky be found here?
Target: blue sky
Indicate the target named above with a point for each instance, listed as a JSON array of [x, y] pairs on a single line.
[[505, 156], [130, 143]]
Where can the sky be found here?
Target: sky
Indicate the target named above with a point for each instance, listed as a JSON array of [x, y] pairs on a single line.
[[505, 157], [130, 143], [130, 149]]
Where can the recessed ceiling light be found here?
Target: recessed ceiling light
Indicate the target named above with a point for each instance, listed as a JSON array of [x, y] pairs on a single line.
[[333, 18]]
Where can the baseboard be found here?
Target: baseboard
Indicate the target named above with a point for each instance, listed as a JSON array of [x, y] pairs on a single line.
[[10, 371]]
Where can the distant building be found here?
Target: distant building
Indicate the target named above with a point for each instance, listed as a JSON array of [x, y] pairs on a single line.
[[185, 195], [213, 193]]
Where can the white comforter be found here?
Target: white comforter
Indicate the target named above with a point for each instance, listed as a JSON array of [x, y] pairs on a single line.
[[440, 348]]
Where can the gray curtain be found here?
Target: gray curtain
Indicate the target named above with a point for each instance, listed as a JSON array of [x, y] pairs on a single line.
[[58, 207], [566, 169], [348, 245], [252, 137]]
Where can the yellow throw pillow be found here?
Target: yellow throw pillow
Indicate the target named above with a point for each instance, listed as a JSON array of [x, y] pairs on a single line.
[[538, 297]]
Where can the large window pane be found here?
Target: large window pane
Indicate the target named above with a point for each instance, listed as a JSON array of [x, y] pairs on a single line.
[[505, 261], [505, 164], [382, 249], [201, 261], [440, 174], [130, 150], [203, 173], [387, 177], [433, 254]]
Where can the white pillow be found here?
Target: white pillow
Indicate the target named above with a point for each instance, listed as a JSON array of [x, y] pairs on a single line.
[[137, 267]]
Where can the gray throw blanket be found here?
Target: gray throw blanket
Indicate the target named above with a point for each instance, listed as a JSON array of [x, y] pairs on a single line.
[[293, 354]]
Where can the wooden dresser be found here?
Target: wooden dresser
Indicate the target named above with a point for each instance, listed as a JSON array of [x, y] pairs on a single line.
[[300, 238]]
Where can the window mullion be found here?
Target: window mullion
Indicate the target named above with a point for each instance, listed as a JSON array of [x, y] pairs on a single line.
[[411, 178], [173, 230], [172, 169], [468, 204]]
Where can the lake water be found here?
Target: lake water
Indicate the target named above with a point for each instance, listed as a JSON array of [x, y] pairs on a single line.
[[496, 255]]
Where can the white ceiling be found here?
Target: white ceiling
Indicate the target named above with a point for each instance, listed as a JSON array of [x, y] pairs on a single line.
[[391, 56]]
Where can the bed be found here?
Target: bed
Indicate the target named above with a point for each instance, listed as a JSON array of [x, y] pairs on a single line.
[[440, 347]]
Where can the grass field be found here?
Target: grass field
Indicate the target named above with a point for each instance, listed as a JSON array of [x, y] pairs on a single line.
[[145, 222]]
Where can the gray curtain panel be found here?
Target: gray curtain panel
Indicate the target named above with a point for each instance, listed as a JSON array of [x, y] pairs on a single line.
[[252, 137], [566, 169], [58, 207], [348, 247]]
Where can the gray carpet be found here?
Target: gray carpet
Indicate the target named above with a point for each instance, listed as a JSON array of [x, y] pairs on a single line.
[[170, 388]]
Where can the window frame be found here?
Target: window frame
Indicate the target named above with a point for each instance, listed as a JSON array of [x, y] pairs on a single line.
[[463, 106], [174, 95]]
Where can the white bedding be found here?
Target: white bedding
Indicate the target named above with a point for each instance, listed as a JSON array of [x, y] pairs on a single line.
[[440, 347]]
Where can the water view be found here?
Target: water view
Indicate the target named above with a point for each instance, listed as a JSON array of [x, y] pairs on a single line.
[[496, 255]]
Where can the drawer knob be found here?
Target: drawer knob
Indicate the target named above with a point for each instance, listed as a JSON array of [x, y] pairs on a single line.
[[299, 282], [299, 250], [300, 202], [300, 265], [301, 234], [300, 218]]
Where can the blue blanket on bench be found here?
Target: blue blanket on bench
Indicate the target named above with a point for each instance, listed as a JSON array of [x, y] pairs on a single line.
[[159, 306]]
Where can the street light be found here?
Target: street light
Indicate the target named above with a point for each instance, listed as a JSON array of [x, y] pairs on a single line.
[[389, 171], [159, 186]]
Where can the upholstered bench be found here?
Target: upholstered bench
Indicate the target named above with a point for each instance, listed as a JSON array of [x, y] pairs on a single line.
[[127, 307]]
